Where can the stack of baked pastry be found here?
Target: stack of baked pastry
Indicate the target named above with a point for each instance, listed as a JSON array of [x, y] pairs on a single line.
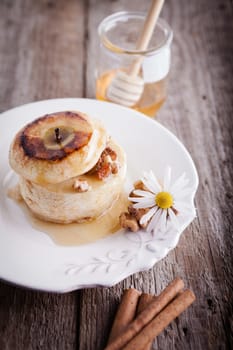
[[69, 169]]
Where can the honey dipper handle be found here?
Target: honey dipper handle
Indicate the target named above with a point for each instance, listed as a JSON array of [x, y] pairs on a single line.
[[148, 28]]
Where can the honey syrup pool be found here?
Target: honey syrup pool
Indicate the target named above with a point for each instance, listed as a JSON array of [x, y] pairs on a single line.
[[152, 99], [75, 234]]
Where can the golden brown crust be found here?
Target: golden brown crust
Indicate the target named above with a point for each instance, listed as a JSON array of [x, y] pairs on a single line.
[[34, 146]]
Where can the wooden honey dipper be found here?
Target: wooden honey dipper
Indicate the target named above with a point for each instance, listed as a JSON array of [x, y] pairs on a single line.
[[126, 88]]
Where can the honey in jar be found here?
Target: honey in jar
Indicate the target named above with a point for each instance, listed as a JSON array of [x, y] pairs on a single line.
[[153, 97], [118, 35]]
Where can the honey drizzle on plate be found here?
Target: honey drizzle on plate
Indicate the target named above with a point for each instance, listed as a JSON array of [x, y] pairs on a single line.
[[75, 234]]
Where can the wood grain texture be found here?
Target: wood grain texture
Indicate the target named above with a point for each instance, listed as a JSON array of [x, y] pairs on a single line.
[[199, 111], [48, 49], [34, 320], [41, 45], [41, 56]]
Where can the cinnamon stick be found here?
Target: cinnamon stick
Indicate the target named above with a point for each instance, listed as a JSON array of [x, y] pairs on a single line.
[[125, 313], [162, 320], [144, 301], [147, 315]]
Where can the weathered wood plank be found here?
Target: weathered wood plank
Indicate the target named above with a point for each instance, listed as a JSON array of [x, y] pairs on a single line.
[[34, 320], [198, 111], [41, 45], [41, 56], [202, 119]]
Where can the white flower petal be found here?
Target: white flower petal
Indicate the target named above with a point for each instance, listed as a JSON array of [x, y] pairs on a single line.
[[148, 185], [184, 212], [151, 182], [182, 208], [183, 193], [181, 182], [157, 226], [155, 180], [163, 220], [146, 217], [154, 221], [180, 205], [167, 179], [144, 193], [173, 218], [133, 199], [141, 199], [143, 205]]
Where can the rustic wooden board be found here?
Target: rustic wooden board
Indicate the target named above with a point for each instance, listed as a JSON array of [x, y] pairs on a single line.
[[41, 45], [41, 56], [199, 111], [48, 49]]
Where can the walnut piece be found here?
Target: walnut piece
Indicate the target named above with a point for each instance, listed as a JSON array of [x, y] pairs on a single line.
[[131, 219], [107, 164], [137, 214], [81, 186], [109, 151], [129, 222], [139, 185]]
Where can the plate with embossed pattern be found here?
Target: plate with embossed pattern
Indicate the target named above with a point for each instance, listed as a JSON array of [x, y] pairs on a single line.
[[29, 258]]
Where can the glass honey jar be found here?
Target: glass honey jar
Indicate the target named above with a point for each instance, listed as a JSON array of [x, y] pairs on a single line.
[[118, 35]]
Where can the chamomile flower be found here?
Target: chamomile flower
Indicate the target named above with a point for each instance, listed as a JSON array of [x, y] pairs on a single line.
[[164, 202]]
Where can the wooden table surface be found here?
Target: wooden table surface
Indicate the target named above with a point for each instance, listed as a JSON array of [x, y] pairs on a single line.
[[48, 50]]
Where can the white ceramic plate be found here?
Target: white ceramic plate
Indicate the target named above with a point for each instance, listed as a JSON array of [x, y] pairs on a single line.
[[29, 258]]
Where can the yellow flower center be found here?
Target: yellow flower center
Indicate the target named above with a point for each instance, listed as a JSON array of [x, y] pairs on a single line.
[[164, 200]]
